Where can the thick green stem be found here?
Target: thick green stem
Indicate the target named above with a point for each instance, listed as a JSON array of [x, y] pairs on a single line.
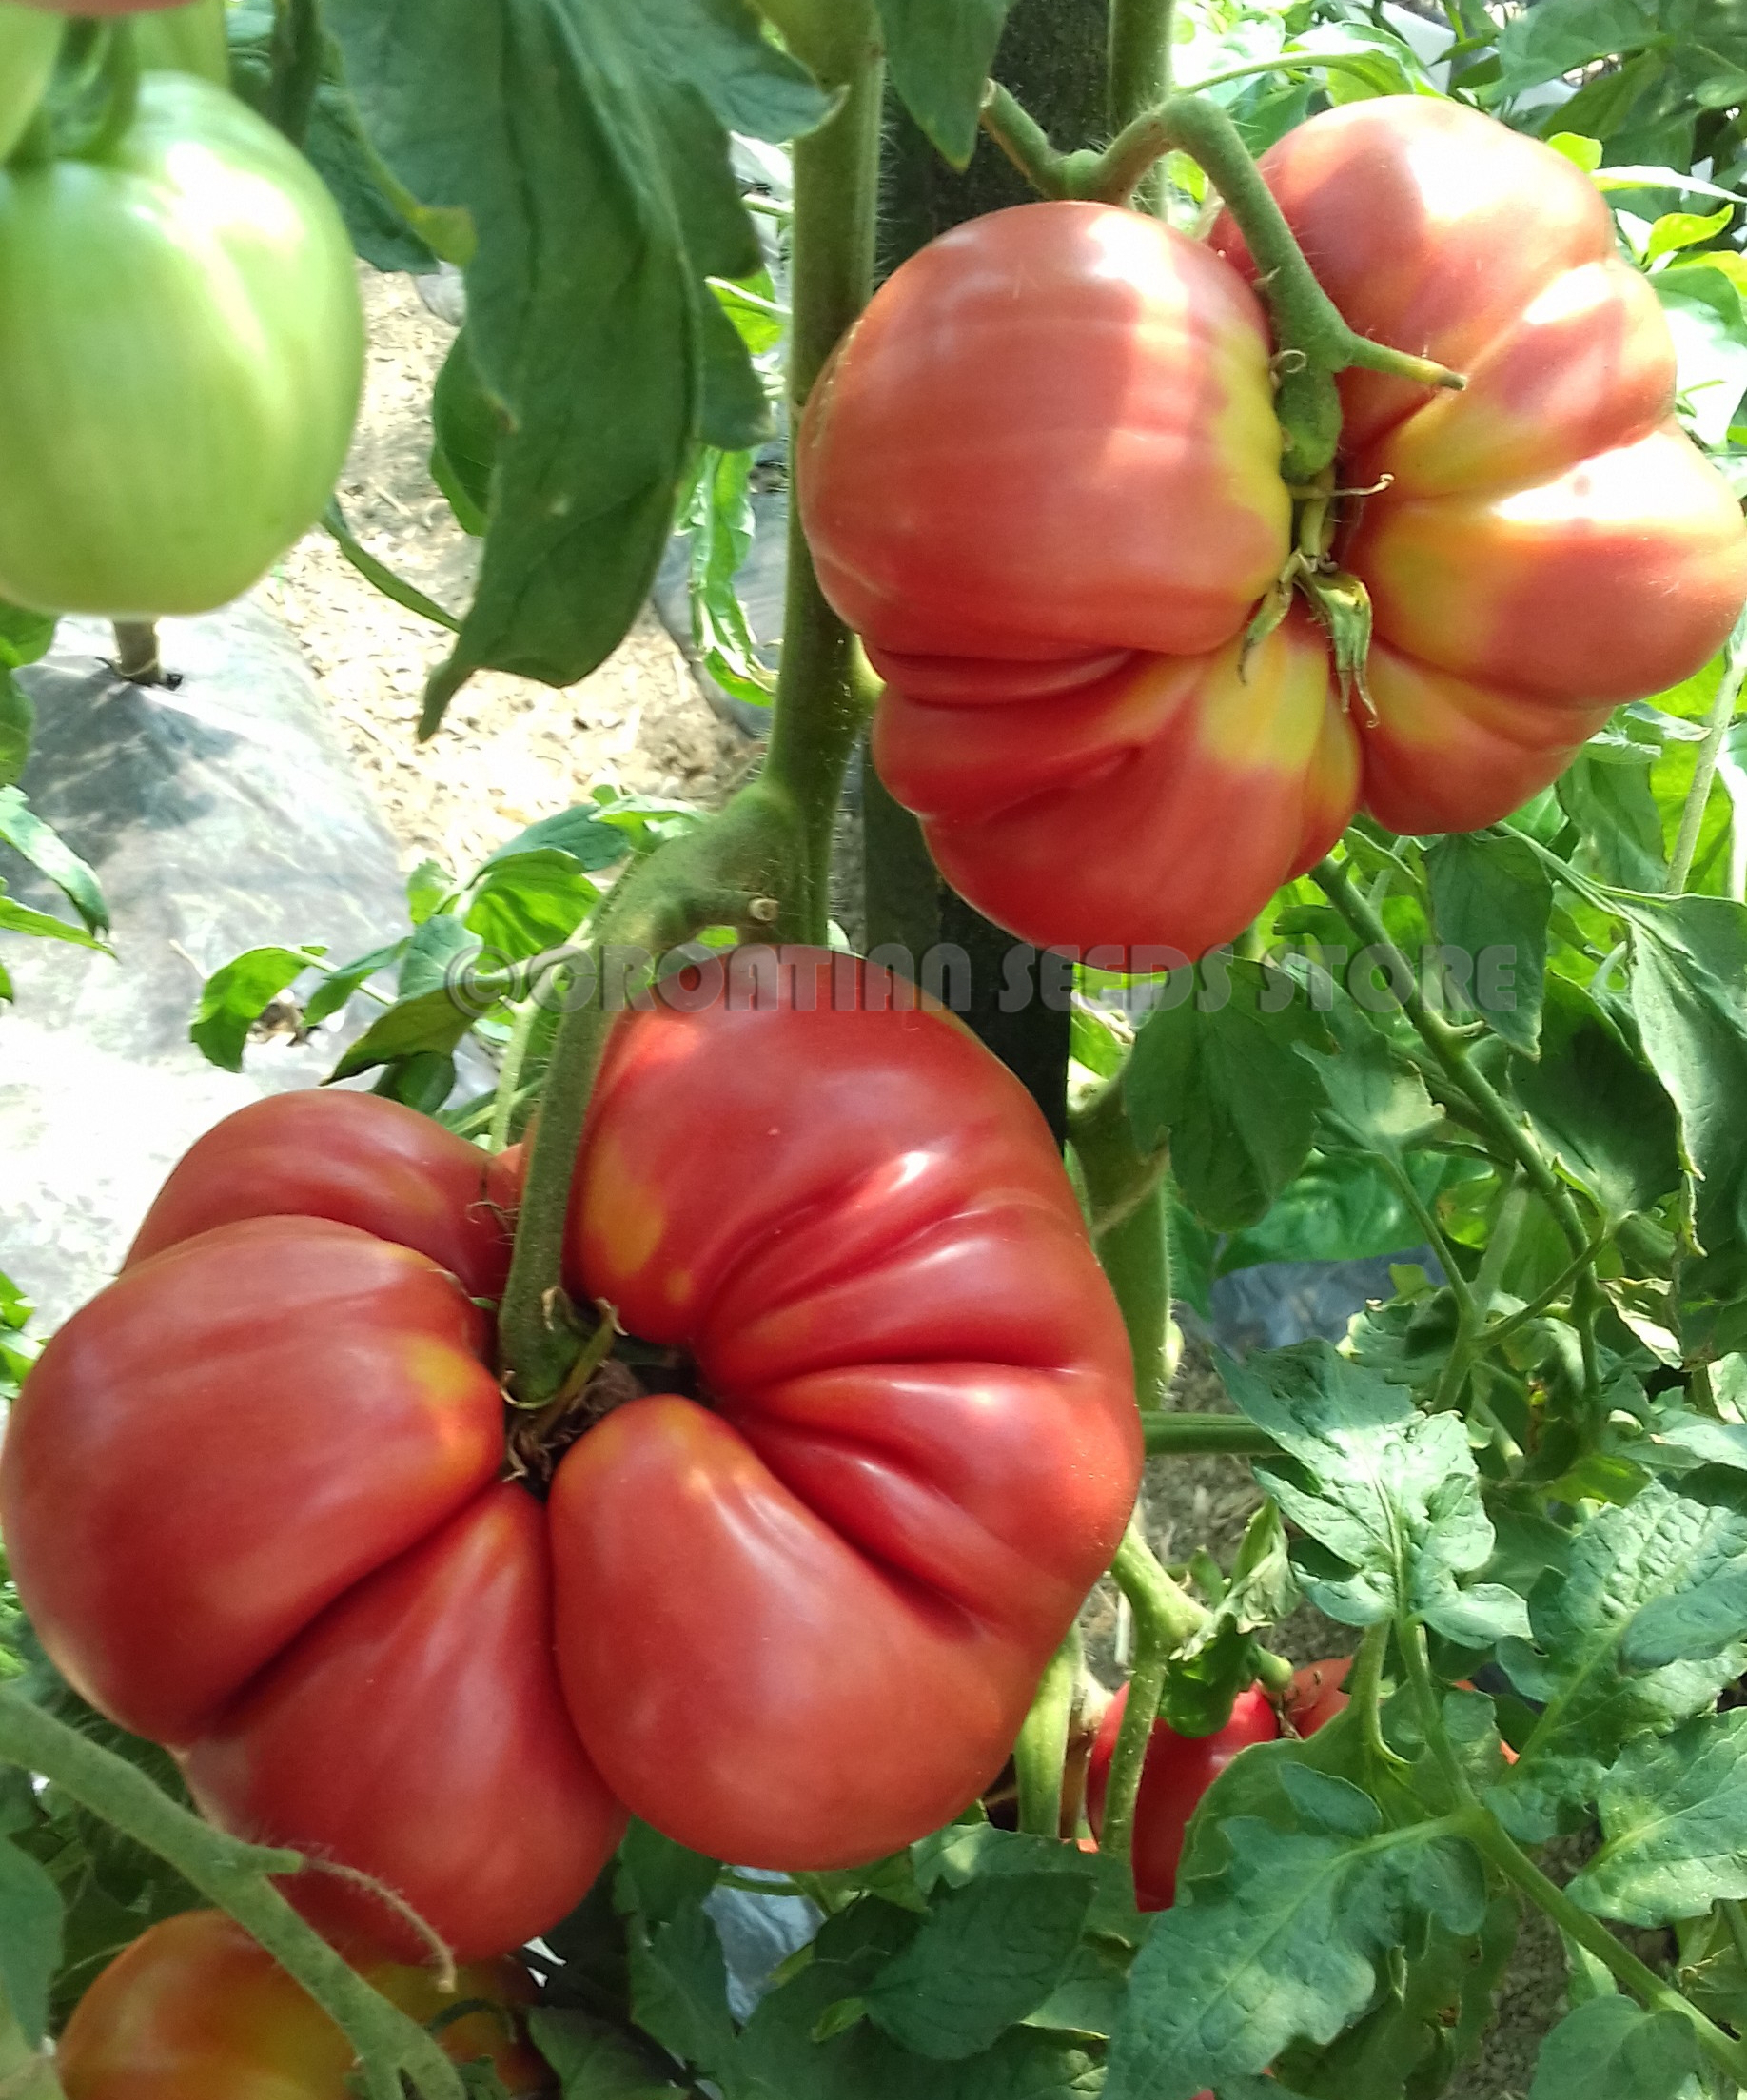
[[1188, 1434], [822, 698], [1473, 1306], [1126, 1196], [1489, 1836], [234, 1875], [1716, 728], [136, 653], [1041, 1752], [731, 871], [509, 1072], [1165, 1617], [1139, 75]]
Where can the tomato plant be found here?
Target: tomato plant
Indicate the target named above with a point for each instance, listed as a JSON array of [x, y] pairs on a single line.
[[194, 2010], [637, 1476], [202, 242]]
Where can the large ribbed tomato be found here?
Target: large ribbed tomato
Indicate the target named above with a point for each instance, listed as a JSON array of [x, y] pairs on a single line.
[[791, 1611], [1040, 477], [194, 2010], [180, 354]]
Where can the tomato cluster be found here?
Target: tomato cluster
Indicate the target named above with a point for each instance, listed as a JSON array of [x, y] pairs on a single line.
[[1041, 479], [194, 2010], [255, 1499]]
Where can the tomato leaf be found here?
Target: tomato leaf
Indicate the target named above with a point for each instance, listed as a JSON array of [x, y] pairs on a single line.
[[467, 428], [985, 1956], [513, 114], [1605, 791], [31, 1922], [1390, 1497], [1613, 2046], [1342, 1208], [1606, 1117], [525, 903], [679, 1988], [1674, 1825], [1659, 1549], [233, 998], [49, 854], [941, 52], [595, 2060], [1220, 1074], [1285, 1941], [1704, 313], [1688, 986], [1489, 890]]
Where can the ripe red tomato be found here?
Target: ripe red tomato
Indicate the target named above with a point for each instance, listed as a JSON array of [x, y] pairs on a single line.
[[909, 1447], [194, 2010], [1040, 478], [1178, 1771], [357, 1159]]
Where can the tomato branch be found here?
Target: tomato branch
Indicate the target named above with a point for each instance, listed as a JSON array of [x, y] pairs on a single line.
[[1716, 728], [1512, 1138], [1140, 74], [1040, 1754], [1125, 1195], [731, 871], [823, 691], [1191, 1435], [234, 1875]]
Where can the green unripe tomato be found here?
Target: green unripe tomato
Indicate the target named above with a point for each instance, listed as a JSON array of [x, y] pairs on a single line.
[[181, 358], [28, 41]]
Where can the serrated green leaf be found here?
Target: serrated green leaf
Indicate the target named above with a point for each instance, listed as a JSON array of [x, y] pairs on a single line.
[[1285, 1942], [339, 985], [17, 722], [1390, 1493], [1688, 987], [1612, 2046], [432, 1021], [595, 2060], [1220, 1075], [467, 430], [526, 903], [1674, 1825], [680, 1989], [1489, 890], [985, 1956], [1607, 1120], [21, 918], [1659, 1547]]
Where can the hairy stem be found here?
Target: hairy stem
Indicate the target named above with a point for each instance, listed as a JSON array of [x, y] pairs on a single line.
[[234, 1875], [1140, 74], [731, 871], [1188, 1434], [1124, 1192], [822, 696], [1041, 1752], [1716, 728]]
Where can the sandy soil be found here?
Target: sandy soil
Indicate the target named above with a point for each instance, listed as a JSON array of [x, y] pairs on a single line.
[[511, 751]]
